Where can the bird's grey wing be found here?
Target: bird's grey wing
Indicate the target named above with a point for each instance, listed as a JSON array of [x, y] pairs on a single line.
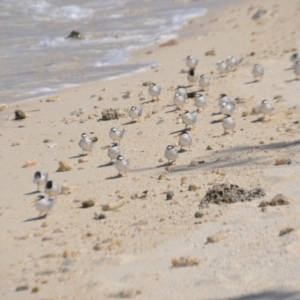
[[140, 112]]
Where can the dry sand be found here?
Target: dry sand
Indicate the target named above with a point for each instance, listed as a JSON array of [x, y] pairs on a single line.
[[70, 255]]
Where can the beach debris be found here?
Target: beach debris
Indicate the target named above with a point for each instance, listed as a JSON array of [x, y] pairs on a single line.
[[113, 206], [78, 112], [283, 161], [3, 106], [230, 193], [83, 160], [161, 177], [15, 144], [35, 289], [64, 166], [170, 195], [22, 288], [94, 139], [30, 163], [171, 42], [196, 162], [210, 53], [75, 35], [192, 187], [66, 190], [130, 293], [208, 148], [279, 199], [261, 13], [199, 214], [184, 262], [20, 115], [87, 203], [217, 237], [47, 141], [110, 114], [147, 83], [286, 231], [127, 95], [53, 99], [99, 216]]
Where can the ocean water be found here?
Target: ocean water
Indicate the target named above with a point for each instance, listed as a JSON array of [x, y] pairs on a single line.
[[37, 59]]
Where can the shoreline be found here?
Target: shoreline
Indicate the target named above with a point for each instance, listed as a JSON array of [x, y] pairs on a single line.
[[130, 253]]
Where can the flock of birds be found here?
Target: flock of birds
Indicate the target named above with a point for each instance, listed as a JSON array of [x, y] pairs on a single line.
[[44, 203]]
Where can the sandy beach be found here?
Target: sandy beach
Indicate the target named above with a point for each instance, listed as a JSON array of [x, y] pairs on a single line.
[[235, 251]]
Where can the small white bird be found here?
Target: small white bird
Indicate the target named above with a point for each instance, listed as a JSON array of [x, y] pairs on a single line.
[[266, 108], [189, 118], [179, 100], [154, 90], [228, 123], [43, 204], [85, 143], [295, 57], [135, 112], [122, 165], [52, 189], [171, 154], [225, 99], [182, 91], [227, 108], [204, 82], [233, 62], [222, 67], [192, 76], [258, 72], [200, 101], [191, 62], [184, 140], [113, 151], [297, 69], [116, 134], [40, 179]]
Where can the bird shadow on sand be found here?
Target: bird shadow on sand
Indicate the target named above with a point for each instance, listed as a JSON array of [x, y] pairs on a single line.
[[32, 193], [275, 295], [258, 120], [170, 111], [288, 69], [181, 130], [149, 101], [114, 177], [216, 121], [251, 82], [129, 123], [291, 80], [35, 219], [111, 163], [78, 156]]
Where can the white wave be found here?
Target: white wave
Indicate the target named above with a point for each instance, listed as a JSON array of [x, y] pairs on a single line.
[[51, 42], [116, 16], [71, 12]]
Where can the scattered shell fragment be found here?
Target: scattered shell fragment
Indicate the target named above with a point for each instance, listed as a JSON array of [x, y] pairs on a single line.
[[131, 293], [283, 161], [66, 190], [35, 289], [279, 199], [217, 237], [113, 206], [210, 53], [22, 288], [99, 216], [53, 99], [171, 42], [196, 162], [87, 203], [184, 262], [3, 106], [30, 163], [94, 139], [286, 230], [208, 148], [63, 166], [15, 144], [83, 160], [127, 95], [192, 187], [199, 214]]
